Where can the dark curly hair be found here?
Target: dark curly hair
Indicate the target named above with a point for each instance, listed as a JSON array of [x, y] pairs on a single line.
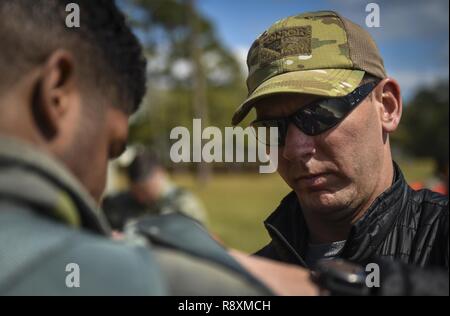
[[108, 55]]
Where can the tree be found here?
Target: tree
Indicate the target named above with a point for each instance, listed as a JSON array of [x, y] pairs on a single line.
[[191, 73], [424, 128]]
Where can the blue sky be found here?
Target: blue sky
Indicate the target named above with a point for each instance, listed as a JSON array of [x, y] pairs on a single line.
[[413, 36]]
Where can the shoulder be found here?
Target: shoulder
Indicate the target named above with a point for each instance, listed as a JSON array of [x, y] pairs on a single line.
[[102, 266], [117, 267], [427, 215], [432, 206], [428, 197]]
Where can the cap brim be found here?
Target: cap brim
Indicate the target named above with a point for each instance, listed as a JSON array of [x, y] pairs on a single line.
[[320, 82]]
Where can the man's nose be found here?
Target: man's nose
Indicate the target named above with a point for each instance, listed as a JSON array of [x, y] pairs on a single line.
[[298, 145]]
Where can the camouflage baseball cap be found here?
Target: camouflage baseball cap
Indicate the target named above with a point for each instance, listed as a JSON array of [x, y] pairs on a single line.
[[319, 53]]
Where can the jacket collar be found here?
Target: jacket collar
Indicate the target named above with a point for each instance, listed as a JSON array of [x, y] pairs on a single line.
[[289, 232], [30, 176]]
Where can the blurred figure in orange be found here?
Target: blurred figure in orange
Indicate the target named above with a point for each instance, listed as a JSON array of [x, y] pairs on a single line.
[[439, 186], [442, 186]]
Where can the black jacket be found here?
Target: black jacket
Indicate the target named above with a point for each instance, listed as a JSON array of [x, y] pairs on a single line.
[[406, 231]]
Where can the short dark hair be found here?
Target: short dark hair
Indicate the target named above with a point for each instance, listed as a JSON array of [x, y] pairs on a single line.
[[108, 54], [143, 165]]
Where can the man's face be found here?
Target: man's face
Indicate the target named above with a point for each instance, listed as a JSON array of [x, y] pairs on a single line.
[[100, 136], [336, 170]]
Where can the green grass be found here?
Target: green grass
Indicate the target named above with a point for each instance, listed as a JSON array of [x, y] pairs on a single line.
[[417, 170], [238, 204]]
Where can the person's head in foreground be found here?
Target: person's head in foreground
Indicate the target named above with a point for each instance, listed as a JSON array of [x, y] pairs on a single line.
[[70, 91], [320, 80]]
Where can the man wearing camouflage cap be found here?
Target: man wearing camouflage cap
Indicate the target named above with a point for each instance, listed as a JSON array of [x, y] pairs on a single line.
[[319, 78]]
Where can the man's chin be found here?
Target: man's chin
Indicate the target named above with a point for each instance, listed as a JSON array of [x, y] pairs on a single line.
[[322, 201]]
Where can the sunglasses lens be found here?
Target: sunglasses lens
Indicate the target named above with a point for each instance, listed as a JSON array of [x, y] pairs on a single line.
[[270, 132], [321, 116]]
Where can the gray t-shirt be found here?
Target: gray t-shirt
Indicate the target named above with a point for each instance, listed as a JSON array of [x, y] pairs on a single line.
[[330, 251]]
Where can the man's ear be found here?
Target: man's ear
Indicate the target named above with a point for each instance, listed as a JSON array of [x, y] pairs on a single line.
[[388, 96], [54, 92]]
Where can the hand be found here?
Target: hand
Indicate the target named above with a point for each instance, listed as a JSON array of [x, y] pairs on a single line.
[[283, 279], [116, 235]]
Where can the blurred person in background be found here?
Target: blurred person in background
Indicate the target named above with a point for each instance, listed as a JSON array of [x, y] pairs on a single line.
[[320, 80], [438, 184], [151, 192]]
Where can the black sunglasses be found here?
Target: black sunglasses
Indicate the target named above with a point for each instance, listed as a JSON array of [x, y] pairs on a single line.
[[314, 118]]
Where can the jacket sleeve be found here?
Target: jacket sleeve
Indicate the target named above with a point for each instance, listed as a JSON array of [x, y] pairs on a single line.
[[397, 278]]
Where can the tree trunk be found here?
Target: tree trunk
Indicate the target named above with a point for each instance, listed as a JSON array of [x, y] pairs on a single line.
[[199, 98]]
